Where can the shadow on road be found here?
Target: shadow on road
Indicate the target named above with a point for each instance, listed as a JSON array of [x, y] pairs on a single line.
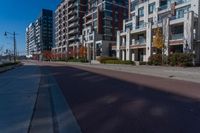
[[102, 104]]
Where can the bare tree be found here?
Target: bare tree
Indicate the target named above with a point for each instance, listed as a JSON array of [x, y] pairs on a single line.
[[1, 50]]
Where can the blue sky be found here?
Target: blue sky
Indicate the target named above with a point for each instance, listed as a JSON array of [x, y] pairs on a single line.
[[16, 15]]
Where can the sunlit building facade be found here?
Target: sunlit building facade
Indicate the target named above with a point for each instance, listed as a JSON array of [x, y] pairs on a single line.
[[68, 26], [178, 19], [101, 22]]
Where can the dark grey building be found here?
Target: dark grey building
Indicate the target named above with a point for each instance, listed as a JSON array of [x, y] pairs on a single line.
[[42, 40]]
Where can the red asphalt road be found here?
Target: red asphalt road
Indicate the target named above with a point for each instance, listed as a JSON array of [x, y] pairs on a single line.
[[119, 102]]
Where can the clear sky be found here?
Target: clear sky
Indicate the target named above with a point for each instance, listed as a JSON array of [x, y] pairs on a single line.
[[16, 15]]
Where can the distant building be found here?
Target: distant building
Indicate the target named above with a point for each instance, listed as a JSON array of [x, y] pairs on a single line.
[[39, 34], [101, 22], [178, 19], [30, 40], [89, 23], [68, 26]]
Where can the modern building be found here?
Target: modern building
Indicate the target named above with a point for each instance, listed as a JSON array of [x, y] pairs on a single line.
[[30, 40], [178, 19], [39, 34], [101, 22], [68, 26]]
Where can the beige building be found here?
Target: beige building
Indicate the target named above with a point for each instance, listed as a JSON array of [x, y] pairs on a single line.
[[178, 19], [68, 26]]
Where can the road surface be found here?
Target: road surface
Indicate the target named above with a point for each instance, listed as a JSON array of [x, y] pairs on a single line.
[[106, 101]]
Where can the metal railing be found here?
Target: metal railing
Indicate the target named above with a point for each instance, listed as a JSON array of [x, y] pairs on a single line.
[[177, 36]]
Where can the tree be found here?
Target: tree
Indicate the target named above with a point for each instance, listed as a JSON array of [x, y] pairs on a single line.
[[82, 52], [158, 43], [158, 40], [47, 55]]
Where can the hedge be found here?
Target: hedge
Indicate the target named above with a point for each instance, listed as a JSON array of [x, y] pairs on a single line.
[[103, 59], [119, 62], [9, 64], [176, 59]]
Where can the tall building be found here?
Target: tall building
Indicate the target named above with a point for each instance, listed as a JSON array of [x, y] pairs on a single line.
[[68, 26], [101, 22], [39, 34], [178, 19], [30, 40]]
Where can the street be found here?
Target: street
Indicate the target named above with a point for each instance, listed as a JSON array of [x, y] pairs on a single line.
[[102, 104], [92, 100]]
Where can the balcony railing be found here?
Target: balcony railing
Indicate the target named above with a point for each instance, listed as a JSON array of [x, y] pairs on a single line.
[[177, 17], [178, 2], [163, 7], [140, 42], [140, 26], [177, 36]]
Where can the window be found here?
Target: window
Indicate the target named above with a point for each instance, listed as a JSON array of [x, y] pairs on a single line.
[[151, 7], [150, 20], [141, 12]]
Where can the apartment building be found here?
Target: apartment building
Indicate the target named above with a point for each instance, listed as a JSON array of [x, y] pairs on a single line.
[[101, 22], [39, 34], [178, 19], [30, 40], [68, 26]]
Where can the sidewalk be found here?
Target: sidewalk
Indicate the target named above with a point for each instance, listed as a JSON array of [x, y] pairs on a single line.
[[191, 74], [18, 92]]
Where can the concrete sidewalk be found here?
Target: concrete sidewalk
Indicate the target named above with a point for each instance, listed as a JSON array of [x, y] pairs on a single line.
[[191, 74], [18, 92]]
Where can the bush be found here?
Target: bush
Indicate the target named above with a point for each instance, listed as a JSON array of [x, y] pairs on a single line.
[[142, 63], [181, 59], [119, 62], [9, 64], [155, 59], [176, 59], [83, 60], [103, 59]]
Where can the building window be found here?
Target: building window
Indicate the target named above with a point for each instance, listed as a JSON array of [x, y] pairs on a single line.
[[151, 7], [141, 12], [150, 20], [133, 5]]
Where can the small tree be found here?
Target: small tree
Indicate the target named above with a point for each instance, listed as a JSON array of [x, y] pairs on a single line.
[[1, 51], [158, 43], [158, 40], [82, 52]]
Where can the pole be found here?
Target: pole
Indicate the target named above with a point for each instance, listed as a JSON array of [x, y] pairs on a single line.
[[94, 43], [14, 46]]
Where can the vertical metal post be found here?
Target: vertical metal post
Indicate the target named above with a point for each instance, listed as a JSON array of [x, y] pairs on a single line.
[[14, 46], [94, 45]]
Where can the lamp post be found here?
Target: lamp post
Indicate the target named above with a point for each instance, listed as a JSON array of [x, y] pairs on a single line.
[[14, 42]]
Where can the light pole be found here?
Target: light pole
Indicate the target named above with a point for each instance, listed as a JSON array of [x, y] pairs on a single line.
[[14, 42]]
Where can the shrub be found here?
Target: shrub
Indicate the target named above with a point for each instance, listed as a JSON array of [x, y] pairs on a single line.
[[155, 59], [83, 60], [142, 63], [9, 64], [102, 59], [119, 62], [181, 59]]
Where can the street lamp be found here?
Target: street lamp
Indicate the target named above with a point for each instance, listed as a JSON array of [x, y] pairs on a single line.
[[14, 42]]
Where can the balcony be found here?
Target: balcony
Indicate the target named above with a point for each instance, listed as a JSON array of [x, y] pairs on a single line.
[[163, 7], [178, 2], [140, 42], [177, 17], [73, 25], [177, 36], [73, 31]]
